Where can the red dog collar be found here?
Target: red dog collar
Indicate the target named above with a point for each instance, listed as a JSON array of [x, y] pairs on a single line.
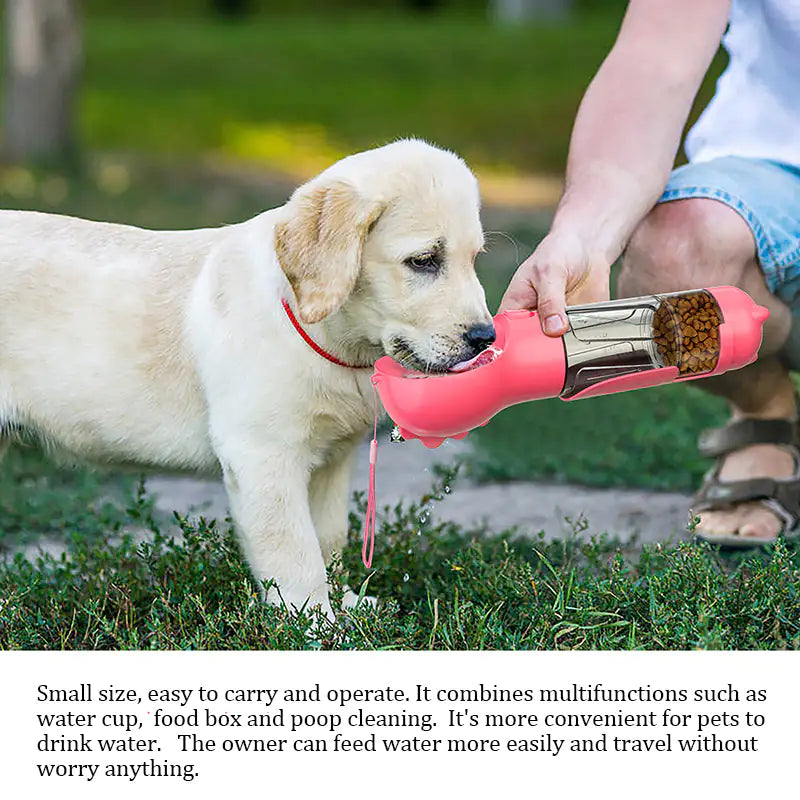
[[314, 346]]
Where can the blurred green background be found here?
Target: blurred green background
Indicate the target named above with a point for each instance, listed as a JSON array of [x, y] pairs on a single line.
[[191, 112], [291, 85]]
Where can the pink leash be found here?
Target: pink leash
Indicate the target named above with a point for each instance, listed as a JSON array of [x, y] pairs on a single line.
[[369, 521]]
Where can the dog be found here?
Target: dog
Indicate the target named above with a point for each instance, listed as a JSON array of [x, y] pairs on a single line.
[[246, 350]]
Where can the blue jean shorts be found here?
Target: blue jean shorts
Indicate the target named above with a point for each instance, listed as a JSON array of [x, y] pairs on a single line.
[[767, 196]]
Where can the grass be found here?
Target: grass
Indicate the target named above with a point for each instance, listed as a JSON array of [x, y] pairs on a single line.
[[257, 90], [646, 439], [440, 589], [146, 191], [297, 92], [42, 499]]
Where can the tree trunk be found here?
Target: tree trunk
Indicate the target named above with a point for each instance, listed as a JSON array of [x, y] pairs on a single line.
[[43, 56]]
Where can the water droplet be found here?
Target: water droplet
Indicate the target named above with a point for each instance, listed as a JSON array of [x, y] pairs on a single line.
[[406, 578], [446, 488]]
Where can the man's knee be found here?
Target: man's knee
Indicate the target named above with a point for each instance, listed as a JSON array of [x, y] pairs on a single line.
[[686, 244]]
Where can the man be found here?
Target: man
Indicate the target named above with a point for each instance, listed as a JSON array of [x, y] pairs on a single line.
[[731, 216]]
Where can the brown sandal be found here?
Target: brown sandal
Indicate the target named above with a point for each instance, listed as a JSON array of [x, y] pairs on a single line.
[[779, 495]]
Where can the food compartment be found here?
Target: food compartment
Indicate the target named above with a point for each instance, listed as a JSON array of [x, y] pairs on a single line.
[[686, 332]]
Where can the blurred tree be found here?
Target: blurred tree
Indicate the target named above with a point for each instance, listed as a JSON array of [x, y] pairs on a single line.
[[516, 11], [44, 59]]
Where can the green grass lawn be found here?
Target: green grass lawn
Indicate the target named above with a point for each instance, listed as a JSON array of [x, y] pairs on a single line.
[[257, 89], [146, 191], [645, 439], [293, 92], [440, 588], [40, 499]]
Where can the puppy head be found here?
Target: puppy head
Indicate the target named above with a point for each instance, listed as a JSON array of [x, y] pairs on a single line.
[[389, 238]]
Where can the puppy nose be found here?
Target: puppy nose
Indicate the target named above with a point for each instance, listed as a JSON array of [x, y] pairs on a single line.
[[479, 337]]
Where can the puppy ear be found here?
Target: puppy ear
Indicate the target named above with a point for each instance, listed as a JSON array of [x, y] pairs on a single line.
[[319, 245]]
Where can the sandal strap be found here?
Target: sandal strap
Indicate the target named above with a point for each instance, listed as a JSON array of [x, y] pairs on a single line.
[[716, 442], [715, 494]]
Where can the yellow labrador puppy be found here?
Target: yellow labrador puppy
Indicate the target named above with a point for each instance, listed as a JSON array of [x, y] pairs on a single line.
[[192, 350]]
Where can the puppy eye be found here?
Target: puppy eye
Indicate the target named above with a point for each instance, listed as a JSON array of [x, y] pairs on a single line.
[[424, 262]]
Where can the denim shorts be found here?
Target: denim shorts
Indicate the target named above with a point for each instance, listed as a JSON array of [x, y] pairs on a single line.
[[767, 196]]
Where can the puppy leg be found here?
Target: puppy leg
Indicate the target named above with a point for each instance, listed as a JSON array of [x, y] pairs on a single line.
[[329, 493], [268, 493]]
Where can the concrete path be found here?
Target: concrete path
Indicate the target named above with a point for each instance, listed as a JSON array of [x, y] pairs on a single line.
[[405, 472]]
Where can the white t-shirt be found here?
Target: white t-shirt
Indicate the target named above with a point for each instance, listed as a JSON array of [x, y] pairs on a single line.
[[756, 109]]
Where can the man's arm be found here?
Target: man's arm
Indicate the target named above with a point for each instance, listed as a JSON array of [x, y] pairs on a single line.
[[623, 145]]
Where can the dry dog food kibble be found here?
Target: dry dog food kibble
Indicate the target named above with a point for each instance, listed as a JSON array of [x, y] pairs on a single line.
[[686, 332]]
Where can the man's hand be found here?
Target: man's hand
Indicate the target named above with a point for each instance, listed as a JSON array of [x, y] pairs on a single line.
[[560, 272]]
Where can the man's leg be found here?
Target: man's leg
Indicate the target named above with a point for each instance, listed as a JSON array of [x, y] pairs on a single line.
[[694, 243]]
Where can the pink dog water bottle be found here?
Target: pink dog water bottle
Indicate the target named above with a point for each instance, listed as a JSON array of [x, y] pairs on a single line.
[[609, 347]]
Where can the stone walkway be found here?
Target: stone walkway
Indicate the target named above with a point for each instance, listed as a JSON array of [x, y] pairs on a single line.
[[405, 472]]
